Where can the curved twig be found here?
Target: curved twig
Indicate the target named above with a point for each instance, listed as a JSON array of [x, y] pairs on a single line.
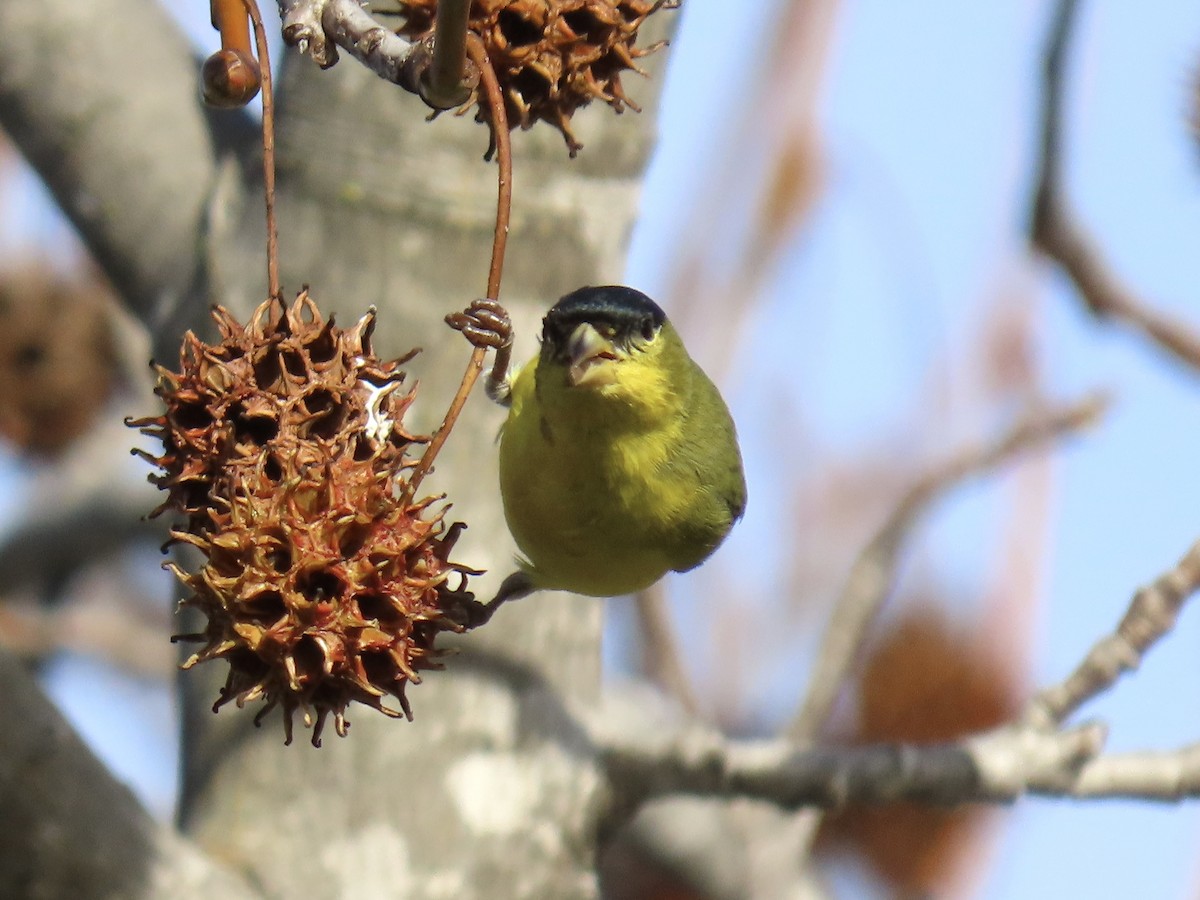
[[268, 145], [871, 578], [1055, 230], [1151, 615], [502, 142]]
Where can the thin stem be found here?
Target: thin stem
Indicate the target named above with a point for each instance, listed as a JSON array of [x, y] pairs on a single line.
[[1057, 231], [229, 18], [1151, 616], [872, 576], [444, 83], [501, 137], [268, 142], [661, 660]]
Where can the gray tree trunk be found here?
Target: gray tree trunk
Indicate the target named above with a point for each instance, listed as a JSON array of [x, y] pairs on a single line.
[[491, 791]]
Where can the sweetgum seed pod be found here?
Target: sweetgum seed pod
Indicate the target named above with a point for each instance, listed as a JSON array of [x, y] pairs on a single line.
[[285, 453]]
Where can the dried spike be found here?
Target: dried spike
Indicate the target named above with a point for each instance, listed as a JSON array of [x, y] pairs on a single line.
[[271, 703], [358, 338], [227, 325], [404, 704], [318, 727], [255, 693], [265, 317]]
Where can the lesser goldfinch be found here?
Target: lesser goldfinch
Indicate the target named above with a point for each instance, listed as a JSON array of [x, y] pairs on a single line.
[[618, 460]]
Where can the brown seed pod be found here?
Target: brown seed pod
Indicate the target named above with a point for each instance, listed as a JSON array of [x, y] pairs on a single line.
[[551, 56], [229, 79], [927, 680], [58, 363], [323, 581]]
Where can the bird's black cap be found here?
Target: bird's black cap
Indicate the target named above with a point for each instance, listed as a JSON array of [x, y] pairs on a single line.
[[631, 313]]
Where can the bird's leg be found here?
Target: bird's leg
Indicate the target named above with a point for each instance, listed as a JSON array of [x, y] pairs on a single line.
[[514, 587], [485, 323]]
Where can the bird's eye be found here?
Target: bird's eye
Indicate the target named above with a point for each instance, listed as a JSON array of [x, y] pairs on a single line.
[[648, 329]]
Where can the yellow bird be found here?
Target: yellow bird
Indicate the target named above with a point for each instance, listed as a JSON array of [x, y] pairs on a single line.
[[618, 460]]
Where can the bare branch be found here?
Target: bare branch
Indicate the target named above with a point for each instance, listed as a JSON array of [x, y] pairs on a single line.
[[647, 756], [997, 767], [1056, 231], [1151, 615], [660, 650], [436, 68], [128, 633], [318, 27], [83, 508], [872, 576]]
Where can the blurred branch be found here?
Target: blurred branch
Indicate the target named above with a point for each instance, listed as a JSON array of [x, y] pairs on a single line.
[[661, 662], [129, 635], [74, 830], [82, 508], [647, 759], [873, 574], [998, 766], [1056, 231], [101, 98], [59, 540], [1151, 615]]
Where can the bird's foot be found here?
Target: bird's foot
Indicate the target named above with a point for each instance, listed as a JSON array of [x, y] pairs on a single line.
[[514, 587], [485, 323]]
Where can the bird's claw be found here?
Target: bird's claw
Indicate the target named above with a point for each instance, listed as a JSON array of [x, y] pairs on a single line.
[[485, 323]]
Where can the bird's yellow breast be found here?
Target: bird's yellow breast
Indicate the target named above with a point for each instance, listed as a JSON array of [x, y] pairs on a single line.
[[603, 488]]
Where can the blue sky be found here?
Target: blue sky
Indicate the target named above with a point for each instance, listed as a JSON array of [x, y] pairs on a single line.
[[928, 122]]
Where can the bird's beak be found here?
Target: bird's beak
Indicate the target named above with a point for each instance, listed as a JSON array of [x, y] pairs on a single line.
[[587, 351]]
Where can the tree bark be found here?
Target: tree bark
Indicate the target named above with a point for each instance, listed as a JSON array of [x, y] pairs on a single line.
[[69, 829], [492, 791]]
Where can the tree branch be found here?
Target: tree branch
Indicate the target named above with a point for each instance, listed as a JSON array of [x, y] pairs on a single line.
[[318, 27], [645, 759], [1151, 615], [872, 576], [81, 832], [1054, 228], [437, 70], [996, 767], [83, 508], [660, 659], [117, 133]]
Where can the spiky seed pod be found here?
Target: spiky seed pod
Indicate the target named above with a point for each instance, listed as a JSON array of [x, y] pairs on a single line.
[[324, 581], [58, 363], [551, 56]]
